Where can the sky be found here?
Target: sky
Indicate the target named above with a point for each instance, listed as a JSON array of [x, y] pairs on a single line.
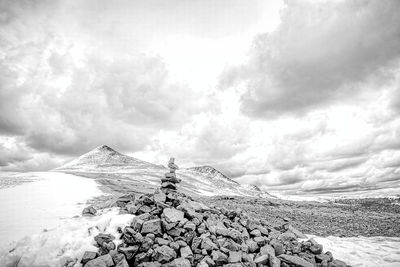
[[294, 96]]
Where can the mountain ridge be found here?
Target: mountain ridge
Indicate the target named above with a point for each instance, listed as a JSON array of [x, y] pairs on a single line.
[[119, 172]]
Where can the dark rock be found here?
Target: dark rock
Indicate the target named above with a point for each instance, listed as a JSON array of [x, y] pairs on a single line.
[[219, 257], [338, 263], [128, 251], [87, 256], [295, 260], [101, 238], [89, 211]]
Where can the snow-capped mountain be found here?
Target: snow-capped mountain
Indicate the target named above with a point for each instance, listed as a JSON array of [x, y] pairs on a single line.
[[105, 158], [121, 172]]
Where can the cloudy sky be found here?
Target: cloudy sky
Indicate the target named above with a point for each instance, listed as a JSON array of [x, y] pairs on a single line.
[[298, 96]]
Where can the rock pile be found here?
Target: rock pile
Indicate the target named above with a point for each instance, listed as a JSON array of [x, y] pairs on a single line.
[[171, 229], [169, 182]]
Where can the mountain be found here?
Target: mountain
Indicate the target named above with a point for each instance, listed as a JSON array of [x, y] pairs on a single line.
[[212, 172], [106, 159], [117, 172]]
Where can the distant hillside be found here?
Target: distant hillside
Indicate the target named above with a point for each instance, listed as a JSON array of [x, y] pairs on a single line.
[[123, 173], [212, 172], [106, 159]]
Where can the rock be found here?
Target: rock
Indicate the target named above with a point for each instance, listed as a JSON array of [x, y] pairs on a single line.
[[274, 261], [174, 245], [103, 238], [150, 264], [295, 260], [279, 249], [219, 257], [173, 215], [255, 232], [152, 226], [208, 245], [89, 211], [234, 256], [96, 263], [162, 241], [164, 254], [297, 233], [187, 253], [107, 259], [316, 249], [338, 263], [122, 263], [263, 259], [159, 196], [180, 262], [128, 251], [267, 250], [253, 247], [87, 256], [190, 226], [168, 185]]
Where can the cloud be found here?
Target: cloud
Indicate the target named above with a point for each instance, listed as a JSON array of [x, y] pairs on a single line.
[[323, 51], [67, 96]]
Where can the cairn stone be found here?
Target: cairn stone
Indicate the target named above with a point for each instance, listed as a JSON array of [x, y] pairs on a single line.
[[170, 181]]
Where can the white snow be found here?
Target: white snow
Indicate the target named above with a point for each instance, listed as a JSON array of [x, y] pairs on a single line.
[[70, 239], [30, 207], [363, 251]]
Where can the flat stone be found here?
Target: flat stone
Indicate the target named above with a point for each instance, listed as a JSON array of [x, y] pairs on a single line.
[[95, 263], [263, 259], [255, 232], [235, 256], [181, 262], [295, 260], [168, 185], [152, 226], [173, 215]]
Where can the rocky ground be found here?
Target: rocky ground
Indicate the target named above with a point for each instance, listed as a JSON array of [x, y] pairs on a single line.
[[171, 229], [344, 218]]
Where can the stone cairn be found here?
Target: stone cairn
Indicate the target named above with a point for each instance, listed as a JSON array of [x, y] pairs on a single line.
[[169, 182], [170, 229]]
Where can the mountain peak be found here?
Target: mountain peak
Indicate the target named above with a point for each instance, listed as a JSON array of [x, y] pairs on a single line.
[[211, 171], [104, 148]]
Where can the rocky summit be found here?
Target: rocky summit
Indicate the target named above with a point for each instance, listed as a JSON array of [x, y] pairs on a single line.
[[171, 229]]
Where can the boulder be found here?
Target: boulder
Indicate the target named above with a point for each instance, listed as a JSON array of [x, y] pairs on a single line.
[[122, 263], [187, 253], [107, 259], [274, 261]]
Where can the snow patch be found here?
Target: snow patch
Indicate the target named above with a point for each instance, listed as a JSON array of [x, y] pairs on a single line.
[[70, 239]]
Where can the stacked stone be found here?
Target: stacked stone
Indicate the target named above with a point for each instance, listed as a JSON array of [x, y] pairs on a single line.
[[169, 182]]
